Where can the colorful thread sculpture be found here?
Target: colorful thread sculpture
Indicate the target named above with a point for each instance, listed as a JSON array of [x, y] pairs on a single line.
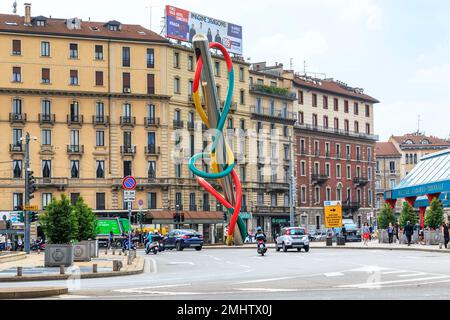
[[228, 168]]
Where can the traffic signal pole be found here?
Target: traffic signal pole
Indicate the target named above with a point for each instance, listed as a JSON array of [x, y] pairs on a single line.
[[27, 194]]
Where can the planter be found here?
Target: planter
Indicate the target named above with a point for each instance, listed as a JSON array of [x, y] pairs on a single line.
[[82, 251], [414, 238], [383, 236], [58, 254], [433, 237], [93, 247]]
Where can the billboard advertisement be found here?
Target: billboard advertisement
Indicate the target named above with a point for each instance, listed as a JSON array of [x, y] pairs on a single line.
[[183, 25]]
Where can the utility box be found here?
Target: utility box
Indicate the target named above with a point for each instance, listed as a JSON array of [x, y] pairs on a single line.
[[329, 241]]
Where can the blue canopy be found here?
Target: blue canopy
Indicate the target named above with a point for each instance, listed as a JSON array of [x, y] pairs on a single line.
[[430, 176]]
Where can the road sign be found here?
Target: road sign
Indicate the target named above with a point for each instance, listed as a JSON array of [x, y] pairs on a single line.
[[333, 214], [141, 202], [129, 195], [31, 207], [129, 183]]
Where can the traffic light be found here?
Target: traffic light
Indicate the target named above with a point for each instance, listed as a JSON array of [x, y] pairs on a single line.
[[8, 224], [21, 217], [225, 218], [31, 184], [182, 217], [34, 216], [175, 217], [141, 217]]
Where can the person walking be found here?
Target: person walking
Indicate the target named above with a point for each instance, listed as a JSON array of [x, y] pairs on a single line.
[[390, 231], [366, 234], [396, 232], [344, 233], [110, 239], [409, 230], [445, 230]]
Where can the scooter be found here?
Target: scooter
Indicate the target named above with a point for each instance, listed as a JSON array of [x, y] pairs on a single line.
[[153, 247], [126, 247], [262, 249], [37, 246]]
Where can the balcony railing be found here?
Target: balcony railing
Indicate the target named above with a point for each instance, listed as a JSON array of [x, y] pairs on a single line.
[[47, 118], [50, 182], [18, 117], [75, 119], [277, 186], [273, 91], [319, 178], [206, 207], [128, 150], [152, 150], [360, 181], [100, 120], [337, 131], [152, 122], [272, 113], [191, 125], [272, 209], [127, 121], [351, 206], [17, 148], [193, 207], [178, 124], [75, 149]]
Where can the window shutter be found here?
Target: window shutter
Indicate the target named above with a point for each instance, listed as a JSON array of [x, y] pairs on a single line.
[[150, 83], [17, 46], [45, 73], [126, 80], [73, 46], [74, 73], [99, 78], [16, 69]]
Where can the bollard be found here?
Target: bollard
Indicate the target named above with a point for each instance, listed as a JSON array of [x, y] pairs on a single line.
[[106, 252], [114, 252], [125, 253], [120, 253], [61, 269], [130, 259], [94, 268], [117, 265], [19, 271]]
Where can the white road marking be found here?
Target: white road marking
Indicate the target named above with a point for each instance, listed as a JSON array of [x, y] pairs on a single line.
[[244, 266], [369, 285], [394, 272], [414, 274], [182, 262], [333, 274], [145, 289], [217, 259], [69, 296], [265, 289], [265, 280]]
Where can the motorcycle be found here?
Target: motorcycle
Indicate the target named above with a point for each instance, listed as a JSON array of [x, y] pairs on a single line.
[[262, 249], [37, 246], [152, 247], [126, 247]]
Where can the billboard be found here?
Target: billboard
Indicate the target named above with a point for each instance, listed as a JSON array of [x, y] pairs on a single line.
[[333, 214], [183, 25]]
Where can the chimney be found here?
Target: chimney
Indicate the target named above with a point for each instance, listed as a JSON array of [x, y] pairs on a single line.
[[27, 14]]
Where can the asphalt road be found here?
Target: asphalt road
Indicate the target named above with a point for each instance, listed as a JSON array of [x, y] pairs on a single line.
[[242, 274]]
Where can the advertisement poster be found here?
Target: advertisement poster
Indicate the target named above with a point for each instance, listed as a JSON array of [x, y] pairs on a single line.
[[183, 25]]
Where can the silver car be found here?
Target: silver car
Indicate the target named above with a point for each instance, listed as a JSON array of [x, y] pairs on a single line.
[[293, 238]]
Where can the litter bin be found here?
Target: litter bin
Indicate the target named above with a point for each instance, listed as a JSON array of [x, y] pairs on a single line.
[[340, 241], [329, 241]]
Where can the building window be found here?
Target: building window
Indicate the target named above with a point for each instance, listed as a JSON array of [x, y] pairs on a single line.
[[317, 195], [16, 74], [356, 108], [346, 125], [100, 201], [327, 170], [338, 171], [392, 183], [45, 76], [150, 58], [151, 172], [336, 123], [98, 52], [303, 168], [46, 137], [392, 168], [314, 120], [346, 106], [301, 119], [126, 82], [126, 57], [46, 200], [178, 171], [99, 78], [127, 168], [325, 102], [16, 47], [176, 85], [314, 100], [17, 134], [75, 169], [151, 200], [46, 168], [241, 74], [45, 49], [303, 194], [17, 169], [367, 128], [190, 63], [176, 59], [349, 172], [356, 127], [100, 138], [242, 97], [150, 83], [73, 77], [325, 122], [336, 104], [17, 106], [328, 194], [17, 201], [74, 198], [317, 148], [300, 96], [273, 200], [73, 51], [217, 68], [367, 110], [100, 169]]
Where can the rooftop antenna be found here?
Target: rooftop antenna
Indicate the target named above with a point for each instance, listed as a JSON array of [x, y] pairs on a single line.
[[304, 67], [418, 124], [15, 7], [151, 13], [291, 64]]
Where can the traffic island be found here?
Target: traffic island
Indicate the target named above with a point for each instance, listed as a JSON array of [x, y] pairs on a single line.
[[32, 293]]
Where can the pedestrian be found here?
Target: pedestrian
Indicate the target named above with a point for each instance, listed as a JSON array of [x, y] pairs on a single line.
[[445, 230], [110, 239], [344, 233], [396, 231], [20, 244], [390, 231], [409, 230], [366, 234]]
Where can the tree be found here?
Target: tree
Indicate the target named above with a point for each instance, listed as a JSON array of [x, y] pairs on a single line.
[[87, 221], [435, 215], [59, 221], [408, 214], [385, 217]]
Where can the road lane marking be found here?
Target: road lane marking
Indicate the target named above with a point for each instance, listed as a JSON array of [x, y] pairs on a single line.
[[414, 274], [145, 289], [394, 272], [181, 262], [369, 285], [244, 266], [265, 280], [333, 274]]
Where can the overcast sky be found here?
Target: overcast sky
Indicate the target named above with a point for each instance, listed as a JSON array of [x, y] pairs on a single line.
[[398, 51]]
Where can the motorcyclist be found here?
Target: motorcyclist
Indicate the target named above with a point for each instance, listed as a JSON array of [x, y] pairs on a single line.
[[149, 239], [260, 235]]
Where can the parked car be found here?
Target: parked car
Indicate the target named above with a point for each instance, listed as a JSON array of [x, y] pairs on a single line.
[[180, 239], [352, 230], [293, 238], [320, 236]]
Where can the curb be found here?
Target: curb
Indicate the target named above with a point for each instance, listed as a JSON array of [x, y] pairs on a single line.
[[138, 270], [31, 293], [336, 248], [13, 257]]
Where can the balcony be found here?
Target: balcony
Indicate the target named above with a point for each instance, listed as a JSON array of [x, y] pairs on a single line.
[[360, 181], [47, 119], [191, 125], [380, 191], [128, 150], [272, 115], [75, 149], [75, 120], [191, 99], [233, 106], [127, 121], [332, 131], [319, 178], [17, 148], [271, 91], [277, 187], [351, 206], [18, 118], [60, 183], [152, 150], [152, 122], [100, 120], [178, 124]]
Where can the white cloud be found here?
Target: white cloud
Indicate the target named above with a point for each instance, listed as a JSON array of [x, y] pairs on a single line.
[[438, 75]]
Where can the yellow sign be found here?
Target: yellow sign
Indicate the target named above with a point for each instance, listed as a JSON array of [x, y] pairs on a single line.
[[31, 207], [333, 214]]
